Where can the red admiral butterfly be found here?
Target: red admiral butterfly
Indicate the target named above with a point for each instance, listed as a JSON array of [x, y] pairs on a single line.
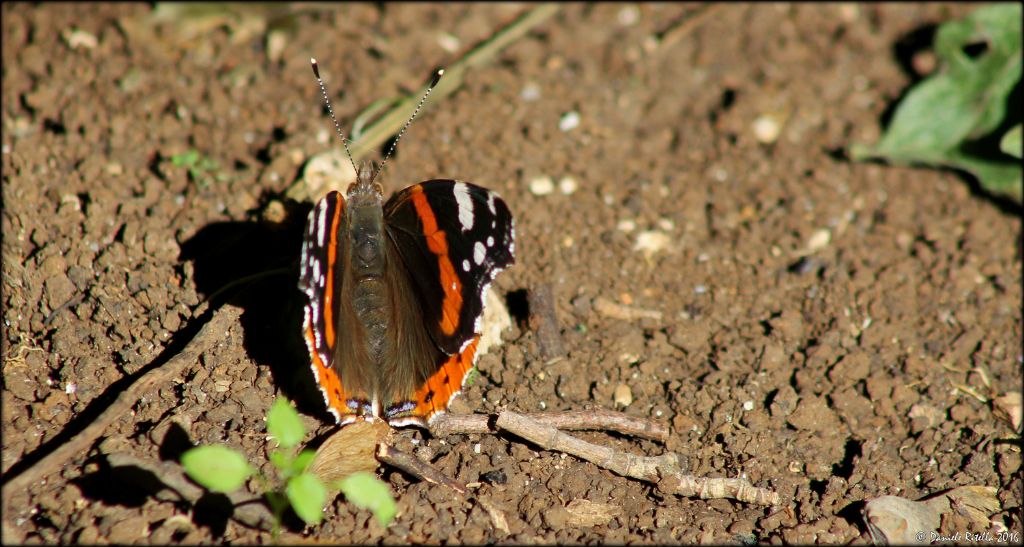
[[395, 291]]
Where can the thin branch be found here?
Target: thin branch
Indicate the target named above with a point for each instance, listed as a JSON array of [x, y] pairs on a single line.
[[247, 510], [661, 470], [682, 26], [424, 471], [577, 420], [390, 122], [544, 322], [417, 467], [208, 336]]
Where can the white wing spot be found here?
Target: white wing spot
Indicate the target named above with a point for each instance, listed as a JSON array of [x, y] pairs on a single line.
[[479, 252], [461, 192], [490, 241], [321, 223], [465, 265], [490, 203]]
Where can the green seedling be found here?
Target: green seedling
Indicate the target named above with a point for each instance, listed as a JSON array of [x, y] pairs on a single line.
[[958, 117], [201, 169], [222, 469]]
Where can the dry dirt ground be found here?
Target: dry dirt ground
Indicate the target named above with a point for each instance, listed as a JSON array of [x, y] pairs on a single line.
[[830, 330]]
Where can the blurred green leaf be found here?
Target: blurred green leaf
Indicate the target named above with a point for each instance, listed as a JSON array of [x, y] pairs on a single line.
[[369, 492], [279, 459], [284, 424], [185, 159], [948, 119], [218, 468], [308, 497], [1011, 143], [302, 461]]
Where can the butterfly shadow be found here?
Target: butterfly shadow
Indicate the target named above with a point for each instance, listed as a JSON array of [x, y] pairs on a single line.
[[254, 265]]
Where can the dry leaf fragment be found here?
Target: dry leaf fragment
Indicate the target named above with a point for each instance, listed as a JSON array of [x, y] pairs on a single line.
[[1008, 409], [895, 520], [581, 513], [348, 450], [608, 308]]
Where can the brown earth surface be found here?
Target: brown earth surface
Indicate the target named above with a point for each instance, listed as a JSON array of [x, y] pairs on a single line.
[[833, 331]]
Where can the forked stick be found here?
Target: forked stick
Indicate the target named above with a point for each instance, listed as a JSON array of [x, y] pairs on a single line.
[[662, 470], [543, 430]]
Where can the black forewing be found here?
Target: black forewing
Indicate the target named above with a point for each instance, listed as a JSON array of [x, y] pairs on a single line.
[[476, 232]]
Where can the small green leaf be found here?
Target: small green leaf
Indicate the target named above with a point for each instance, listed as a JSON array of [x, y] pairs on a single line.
[[280, 459], [471, 376], [369, 492], [185, 158], [949, 118], [216, 467], [284, 424], [308, 497], [1011, 143], [302, 461]]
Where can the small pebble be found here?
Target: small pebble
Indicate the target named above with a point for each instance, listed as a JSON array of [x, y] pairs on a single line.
[[651, 242], [542, 185], [623, 395], [567, 185], [80, 38], [569, 121], [626, 225], [849, 12], [448, 42], [766, 128], [748, 405], [530, 92], [819, 240], [277, 40], [628, 15]]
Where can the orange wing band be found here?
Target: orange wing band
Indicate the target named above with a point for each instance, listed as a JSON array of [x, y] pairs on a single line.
[[332, 257], [329, 382], [437, 392], [437, 242]]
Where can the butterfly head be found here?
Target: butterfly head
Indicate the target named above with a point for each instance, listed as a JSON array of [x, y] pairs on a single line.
[[365, 187]]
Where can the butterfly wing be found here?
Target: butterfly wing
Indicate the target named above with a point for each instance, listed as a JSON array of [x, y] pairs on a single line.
[[319, 263], [454, 238]]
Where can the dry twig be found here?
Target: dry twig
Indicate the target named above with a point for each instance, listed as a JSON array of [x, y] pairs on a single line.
[[210, 334], [424, 471], [417, 467], [391, 121], [593, 420], [247, 510], [545, 323], [661, 470]]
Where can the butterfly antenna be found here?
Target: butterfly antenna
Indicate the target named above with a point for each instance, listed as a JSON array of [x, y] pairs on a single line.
[[330, 109], [391, 149]]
